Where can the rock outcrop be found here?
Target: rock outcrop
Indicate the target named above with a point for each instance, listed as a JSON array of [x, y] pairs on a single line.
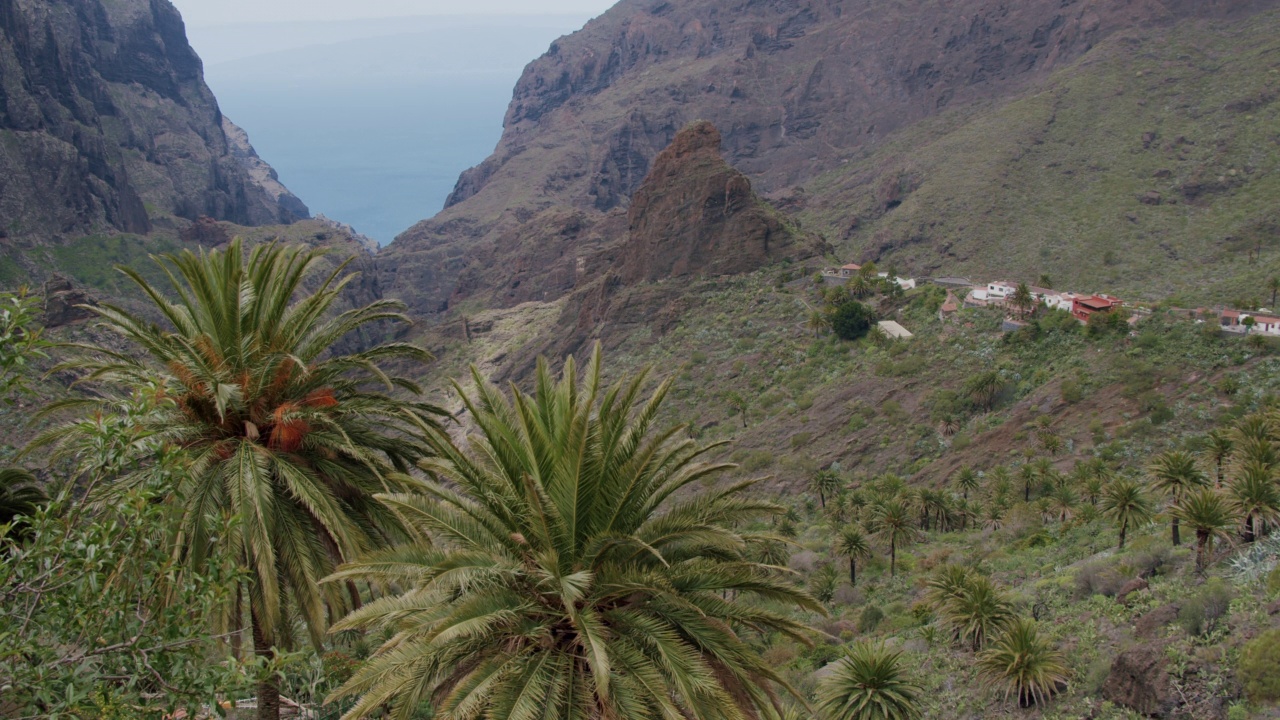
[[796, 87], [64, 303], [106, 124], [1139, 681], [696, 215]]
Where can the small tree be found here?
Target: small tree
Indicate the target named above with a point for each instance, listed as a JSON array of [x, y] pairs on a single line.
[[1248, 322], [1024, 664], [740, 404], [966, 480], [826, 483], [853, 545], [984, 388], [893, 524], [1207, 512], [851, 320], [1023, 300], [869, 683], [1124, 502], [1174, 473]]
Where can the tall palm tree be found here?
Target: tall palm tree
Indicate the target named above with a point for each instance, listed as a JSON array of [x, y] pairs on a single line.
[[1174, 473], [1210, 514], [288, 441], [1218, 445], [1029, 475], [966, 480], [1255, 495], [893, 524], [561, 572], [853, 545], [1023, 664], [1125, 502], [826, 483], [869, 683]]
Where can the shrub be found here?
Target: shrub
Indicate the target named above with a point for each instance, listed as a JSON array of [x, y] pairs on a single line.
[[869, 618], [851, 320], [1071, 392], [1259, 667], [1273, 581], [1098, 578], [800, 440], [698, 357], [1199, 614]]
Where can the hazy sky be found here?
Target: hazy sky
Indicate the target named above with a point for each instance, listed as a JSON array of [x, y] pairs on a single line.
[[216, 12]]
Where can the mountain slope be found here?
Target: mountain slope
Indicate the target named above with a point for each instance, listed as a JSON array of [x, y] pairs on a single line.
[[106, 125], [797, 87]]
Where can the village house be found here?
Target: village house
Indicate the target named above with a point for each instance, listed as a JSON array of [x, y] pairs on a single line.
[[1262, 324], [978, 297], [949, 307], [849, 270], [1000, 290], [1084, 306]]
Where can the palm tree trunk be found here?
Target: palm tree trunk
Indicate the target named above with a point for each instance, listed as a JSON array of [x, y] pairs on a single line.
[[354, 592], [893, 559], [1202, 540], [1249, 535], [853, 570], [1124, 528], [237, 630], [1177, 538], [269, 687]]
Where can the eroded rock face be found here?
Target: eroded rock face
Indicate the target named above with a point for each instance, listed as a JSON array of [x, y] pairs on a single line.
[[796, 87], [105, 120], [63, 302], [696, 215], [1139, 681]]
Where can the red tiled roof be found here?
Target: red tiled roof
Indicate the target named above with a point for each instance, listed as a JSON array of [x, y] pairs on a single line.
[[851, 266]]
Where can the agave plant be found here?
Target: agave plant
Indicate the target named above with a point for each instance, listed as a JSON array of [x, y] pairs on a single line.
[[562, 573], [869, 683], [1023, 664]]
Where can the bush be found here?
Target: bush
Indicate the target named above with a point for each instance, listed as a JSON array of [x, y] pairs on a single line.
[[1071, 392], [1199, 614], [851, 320], [870, 618], [1098, 578], [1259, 667], [800, 440], [1273, 581]]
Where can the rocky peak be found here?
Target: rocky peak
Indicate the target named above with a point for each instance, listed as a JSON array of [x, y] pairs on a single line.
[[696, 215], [106, 124]]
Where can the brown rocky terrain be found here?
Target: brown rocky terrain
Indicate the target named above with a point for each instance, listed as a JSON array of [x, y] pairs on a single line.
[[796, 86], [106, 125]]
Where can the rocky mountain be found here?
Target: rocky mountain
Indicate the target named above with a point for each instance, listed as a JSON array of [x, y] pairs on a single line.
[[799, 89], [106, 125]]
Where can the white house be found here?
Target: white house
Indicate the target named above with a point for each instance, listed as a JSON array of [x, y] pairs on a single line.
[[1262, 324], [1000, 290]]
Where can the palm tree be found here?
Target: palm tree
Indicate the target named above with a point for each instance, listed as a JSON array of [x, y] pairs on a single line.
[[1175, 472], [1218, 446], [1024, 664], [976, 610], [1063, 502], [1022, 299], [947, 584], [984, 388], [1000, 482], [1210, 515], [818, 322], [20, 497], [1255, 495], [966, 480], [825, 482], [1126, 503], [562, 572], [288, 441], [740, 403], [893, 524], [869, 683], [1029, 475], [853, 545]]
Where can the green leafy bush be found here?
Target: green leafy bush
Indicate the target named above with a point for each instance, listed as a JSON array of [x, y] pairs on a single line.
[[1259, 667], [870, 618], [1198, 614]]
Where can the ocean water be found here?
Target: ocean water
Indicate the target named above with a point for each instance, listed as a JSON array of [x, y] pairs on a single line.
[[373, 130]]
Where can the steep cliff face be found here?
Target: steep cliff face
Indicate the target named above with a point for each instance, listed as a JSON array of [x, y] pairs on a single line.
[[696, 215], [106, 124], [796, 87]]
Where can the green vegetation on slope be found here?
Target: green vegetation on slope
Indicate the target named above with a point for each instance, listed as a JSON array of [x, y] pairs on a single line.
[[1057, 181]]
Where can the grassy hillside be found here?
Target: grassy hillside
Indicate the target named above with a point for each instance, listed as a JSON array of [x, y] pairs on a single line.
[[895, 415], [1057, 181]]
